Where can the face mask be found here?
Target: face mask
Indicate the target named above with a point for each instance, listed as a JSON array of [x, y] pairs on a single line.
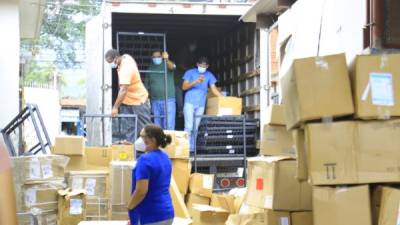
[[157, 60], [201, 69], [140, 145], [113, 65]]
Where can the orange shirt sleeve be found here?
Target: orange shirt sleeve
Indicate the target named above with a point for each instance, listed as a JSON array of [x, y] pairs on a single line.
[[128, 68], [5, 162]]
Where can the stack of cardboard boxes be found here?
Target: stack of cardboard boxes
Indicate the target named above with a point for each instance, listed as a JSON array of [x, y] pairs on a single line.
[[37, 180], [224, 106], [341, 155]]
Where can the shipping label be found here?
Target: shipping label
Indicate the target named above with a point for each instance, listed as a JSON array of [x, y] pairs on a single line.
[[34, 169], [382, 89], [47, 170], [90, 186], [75, 207], [207, 182]]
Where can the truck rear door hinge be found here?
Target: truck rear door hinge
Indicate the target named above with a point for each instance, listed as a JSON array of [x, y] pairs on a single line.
[[105, 87], [106, 25]]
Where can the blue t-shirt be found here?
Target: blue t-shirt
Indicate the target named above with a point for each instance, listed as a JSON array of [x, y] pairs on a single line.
[[197, 95], [154, 166]]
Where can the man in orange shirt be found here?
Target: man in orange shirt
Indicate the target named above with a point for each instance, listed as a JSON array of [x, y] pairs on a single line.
[[132, 96]]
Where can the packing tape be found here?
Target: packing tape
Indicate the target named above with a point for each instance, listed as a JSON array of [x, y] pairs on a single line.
[[327, 119], [384, 113], [122, 184], [366, 92], [321, 63], [384, 60]]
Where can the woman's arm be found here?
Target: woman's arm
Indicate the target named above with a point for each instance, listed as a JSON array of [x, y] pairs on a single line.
[[142, 187]]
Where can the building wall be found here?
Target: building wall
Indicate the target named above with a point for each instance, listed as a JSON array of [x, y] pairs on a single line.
[[9, 60]]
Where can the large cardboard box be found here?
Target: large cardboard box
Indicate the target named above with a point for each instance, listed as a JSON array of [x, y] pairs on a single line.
[[34, 169], [94, 182], [71, 207], [376, 86], [69, 145], [179, 148], [48, 218], [342, 205], [276, 115], [77, 163], [178, 201], [207, 215], [122, 152], [35, 197], [315, 88], [99, 156], [202, 184], [224, 201], [192, 199], [121, 181], [301, 218], [277, 141], [224, 106], [301, 152], [246, 219], [181, 169], [390, 207], [354, 152], [272, 185]]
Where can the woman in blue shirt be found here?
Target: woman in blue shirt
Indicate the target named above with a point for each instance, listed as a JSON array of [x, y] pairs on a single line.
[[151, 202]]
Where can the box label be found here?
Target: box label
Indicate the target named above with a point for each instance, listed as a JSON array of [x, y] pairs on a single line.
[[382, 89], [34, 169], [47, 170], [75, 207], [225, 111], [123, 155], [30, 197], [77, 183], [268, 202], [207, 182], [284, 221], [90, 186], [260, 184]]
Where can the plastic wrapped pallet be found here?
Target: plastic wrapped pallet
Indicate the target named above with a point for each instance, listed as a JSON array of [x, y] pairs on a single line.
[[97, 209], [38, 197], [35, 169], [47, 218]]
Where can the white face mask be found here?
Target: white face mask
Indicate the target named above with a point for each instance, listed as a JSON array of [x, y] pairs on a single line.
[[201, 69], [140, 145]]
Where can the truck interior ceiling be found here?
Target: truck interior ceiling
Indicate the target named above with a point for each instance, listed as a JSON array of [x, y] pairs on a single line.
[[187, 38]]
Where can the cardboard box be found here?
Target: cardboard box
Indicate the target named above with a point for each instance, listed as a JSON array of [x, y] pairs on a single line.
[[248, 209], [308, 89], [121, 181], [77, 163], [390, 207], [342, 206], [99, 156], [224, 201], [178, 201], [354, 152], [69, 145], [246, 219], [277, 218], [179, 148], [43, 197], [71, 207], [120, 216], [202, 184], [224, 106], [181, 169], [272, 185], [301, 218], [49, 218], [192, 199], [301, 152], [207, 215], [122, 152], [276, 115], [97, 209], [94, 182], [277, 141], [376, 86], [35, 169]]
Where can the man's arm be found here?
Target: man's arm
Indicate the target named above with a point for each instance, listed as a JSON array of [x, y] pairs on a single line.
[[142, 187], [170, 65], [123, 89], [7, 199], [187, 85], [215, 90]]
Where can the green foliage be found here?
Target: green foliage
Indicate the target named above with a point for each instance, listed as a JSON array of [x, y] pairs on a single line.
[[42, 73]]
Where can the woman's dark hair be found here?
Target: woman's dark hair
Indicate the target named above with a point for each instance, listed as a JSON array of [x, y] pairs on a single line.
[[156, 132]]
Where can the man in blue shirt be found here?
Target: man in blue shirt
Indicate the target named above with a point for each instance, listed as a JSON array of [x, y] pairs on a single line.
[[196, 82]]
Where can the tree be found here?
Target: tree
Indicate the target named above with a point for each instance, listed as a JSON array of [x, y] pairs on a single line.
[[63, 30]]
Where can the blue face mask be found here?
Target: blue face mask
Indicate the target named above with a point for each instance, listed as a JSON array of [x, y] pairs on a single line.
[[113, 65], [201, 69], [157, 60]]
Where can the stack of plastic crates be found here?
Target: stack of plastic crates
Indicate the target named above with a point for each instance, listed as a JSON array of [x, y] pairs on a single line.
[[225, 136]]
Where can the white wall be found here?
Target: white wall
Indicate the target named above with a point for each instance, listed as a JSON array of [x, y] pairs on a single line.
[[9, 60], [49, 106]]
